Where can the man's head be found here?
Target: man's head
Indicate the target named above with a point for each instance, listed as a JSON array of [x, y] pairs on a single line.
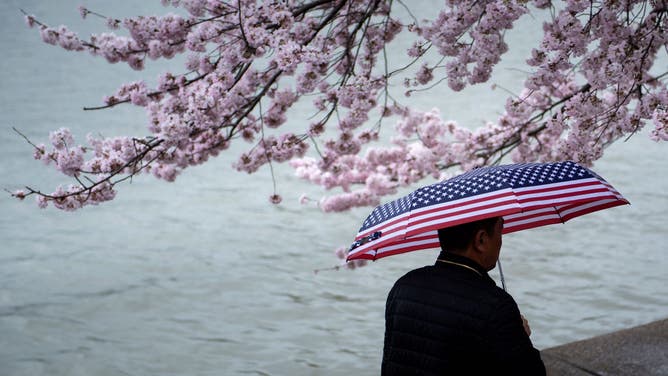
[[479, 241]]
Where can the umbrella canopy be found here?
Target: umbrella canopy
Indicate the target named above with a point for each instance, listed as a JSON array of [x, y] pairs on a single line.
[[526, 195]]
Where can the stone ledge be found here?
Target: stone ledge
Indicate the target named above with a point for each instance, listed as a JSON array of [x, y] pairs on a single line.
[[642, 350]]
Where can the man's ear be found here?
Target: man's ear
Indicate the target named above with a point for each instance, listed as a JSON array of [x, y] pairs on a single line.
[[480, 241]]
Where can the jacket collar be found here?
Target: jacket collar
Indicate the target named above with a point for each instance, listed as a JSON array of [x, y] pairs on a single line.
[[450, 257]]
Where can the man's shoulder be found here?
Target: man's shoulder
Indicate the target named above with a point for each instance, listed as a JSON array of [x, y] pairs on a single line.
[[427, 269], [417, 274], [415, 278]]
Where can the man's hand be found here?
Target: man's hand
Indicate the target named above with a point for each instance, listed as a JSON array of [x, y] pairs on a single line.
[[526, 325]]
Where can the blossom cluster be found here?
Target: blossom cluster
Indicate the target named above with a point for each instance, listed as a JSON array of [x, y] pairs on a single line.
[[471, 34], [591, 84], [65, 154], [238, 54]]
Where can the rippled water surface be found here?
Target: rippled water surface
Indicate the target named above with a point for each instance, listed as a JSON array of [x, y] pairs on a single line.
[[204, 277]]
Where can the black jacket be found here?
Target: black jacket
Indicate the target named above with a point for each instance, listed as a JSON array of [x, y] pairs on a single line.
[[449, 319]]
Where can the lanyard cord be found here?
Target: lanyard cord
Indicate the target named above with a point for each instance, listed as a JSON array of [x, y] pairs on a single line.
[[462, 265]]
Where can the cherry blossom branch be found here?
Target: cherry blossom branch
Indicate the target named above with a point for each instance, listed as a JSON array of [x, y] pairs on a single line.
[[587, 85]]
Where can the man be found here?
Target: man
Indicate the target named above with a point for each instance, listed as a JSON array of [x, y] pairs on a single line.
[[451, 318]]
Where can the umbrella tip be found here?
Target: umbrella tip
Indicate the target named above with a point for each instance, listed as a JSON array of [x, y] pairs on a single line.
[[365, 240]]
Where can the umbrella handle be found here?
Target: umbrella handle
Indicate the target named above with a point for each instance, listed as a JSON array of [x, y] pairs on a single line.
[[503, 280]]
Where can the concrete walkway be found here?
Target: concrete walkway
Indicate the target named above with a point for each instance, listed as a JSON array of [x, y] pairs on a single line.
[[642, 351]]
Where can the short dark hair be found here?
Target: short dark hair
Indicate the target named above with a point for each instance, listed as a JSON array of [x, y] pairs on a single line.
[[457, 238]]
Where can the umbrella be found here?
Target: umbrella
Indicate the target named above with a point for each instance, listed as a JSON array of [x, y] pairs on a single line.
[[526, 195]]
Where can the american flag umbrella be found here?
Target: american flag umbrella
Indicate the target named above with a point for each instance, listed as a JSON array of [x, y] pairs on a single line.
[[526, 195]]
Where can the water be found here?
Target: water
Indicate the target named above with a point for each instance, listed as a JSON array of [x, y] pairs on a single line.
[[204, 277]]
